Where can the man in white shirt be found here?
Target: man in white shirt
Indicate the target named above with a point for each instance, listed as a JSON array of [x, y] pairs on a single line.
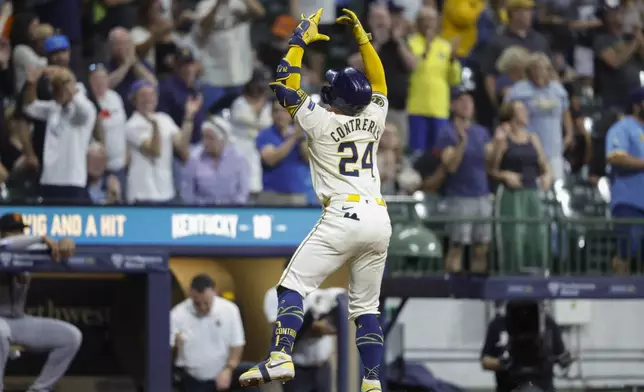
[[208, 337], [222, 35], [153, 137], [112, 117], [70, 119], [312, 352]]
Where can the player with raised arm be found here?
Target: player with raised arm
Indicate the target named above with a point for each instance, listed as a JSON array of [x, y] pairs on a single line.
[[354, 227]]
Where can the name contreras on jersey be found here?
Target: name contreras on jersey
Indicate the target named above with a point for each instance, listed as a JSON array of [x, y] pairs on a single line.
[[356, 124]]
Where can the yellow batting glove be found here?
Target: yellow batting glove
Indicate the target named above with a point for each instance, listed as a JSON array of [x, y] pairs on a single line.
[[307, 31], [350, 18]]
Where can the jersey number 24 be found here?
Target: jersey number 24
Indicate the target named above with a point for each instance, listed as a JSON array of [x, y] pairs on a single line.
[[350, 159]]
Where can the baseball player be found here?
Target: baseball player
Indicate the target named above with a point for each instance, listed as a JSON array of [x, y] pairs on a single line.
[[354, 227], [61, 339]]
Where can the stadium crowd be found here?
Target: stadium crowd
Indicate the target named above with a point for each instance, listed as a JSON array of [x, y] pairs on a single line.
[[161, 101]]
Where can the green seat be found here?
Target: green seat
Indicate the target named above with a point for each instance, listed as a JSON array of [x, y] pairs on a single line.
[[585, 234], [414, 250]]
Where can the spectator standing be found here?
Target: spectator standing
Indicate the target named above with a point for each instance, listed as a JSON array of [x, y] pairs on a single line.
[[518, 32], [249, 114], [57, 49], [113, 118], [216, 174], [208, 336], [103, 188], [548, 109], [625, 154], [153, 37], [511, 68], [389, 40], [27, 38], [153, 139], [124, 66], [222, 34], [437, 69], [466, 150], [618, 63], [522, 167], [70, 119], [286, 175], [175, 90]]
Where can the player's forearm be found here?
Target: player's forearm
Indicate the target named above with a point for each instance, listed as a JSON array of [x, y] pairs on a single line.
[[272, 158], [291, 69], [373, 68], [20, 242], [456, 158]]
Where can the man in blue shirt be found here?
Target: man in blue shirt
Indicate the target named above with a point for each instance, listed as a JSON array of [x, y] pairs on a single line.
[[285, 161], [175, 90], [465, 148], [625, 154]]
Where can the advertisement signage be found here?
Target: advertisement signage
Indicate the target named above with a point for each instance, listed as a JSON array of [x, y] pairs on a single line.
[[176, 226]]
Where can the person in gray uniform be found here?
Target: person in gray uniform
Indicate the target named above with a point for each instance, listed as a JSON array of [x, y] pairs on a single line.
[[37, 334]]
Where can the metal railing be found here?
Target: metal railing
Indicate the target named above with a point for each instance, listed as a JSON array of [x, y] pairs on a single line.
[[554, 244]]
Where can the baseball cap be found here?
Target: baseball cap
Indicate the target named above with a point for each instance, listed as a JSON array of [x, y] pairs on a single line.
[[12, 222], [185, 55], [139, 84], [56, 43], [520, 4], [636, 96], [456, 92]]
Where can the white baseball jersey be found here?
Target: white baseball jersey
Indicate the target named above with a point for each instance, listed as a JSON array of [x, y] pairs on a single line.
[[343, 149]]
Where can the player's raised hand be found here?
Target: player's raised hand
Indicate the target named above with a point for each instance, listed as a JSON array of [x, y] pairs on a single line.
[[351, 19], [307, 31]]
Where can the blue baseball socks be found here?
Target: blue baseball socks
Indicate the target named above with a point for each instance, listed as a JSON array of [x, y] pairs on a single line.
[[290, 315], [370, 342]]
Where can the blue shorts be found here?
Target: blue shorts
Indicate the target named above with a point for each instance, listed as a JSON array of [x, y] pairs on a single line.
[[630, 237], [423, 132]]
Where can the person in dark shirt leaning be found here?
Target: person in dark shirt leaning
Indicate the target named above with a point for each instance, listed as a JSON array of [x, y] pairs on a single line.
[[175, 90], [618, 63], [510, 373], [397, 60]]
